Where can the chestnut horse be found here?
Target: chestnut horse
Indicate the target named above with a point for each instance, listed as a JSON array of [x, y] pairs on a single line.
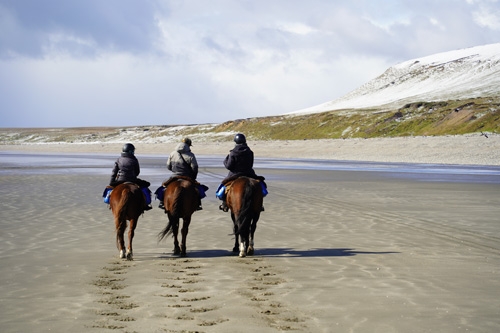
[[181, 199], [127, 204], [244, 198]]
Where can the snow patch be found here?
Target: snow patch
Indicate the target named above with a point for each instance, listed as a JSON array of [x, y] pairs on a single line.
[[460, 74]]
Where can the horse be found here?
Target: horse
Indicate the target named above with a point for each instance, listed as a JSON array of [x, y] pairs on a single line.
[[181, 199], [127, 204], [244, 199]]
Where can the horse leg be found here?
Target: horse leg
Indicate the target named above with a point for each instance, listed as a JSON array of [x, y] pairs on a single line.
[[175, 231], [120, 242], [131, 232], [236, 237], [251, 249], [243, 243], [184, 232], [243, 247]]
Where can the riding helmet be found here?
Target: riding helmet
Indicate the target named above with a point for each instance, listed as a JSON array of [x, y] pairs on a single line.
[[187, 141], [128, 148], [240, 138]]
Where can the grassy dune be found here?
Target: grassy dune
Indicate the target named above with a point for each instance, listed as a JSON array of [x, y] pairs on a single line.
[[415, 119]]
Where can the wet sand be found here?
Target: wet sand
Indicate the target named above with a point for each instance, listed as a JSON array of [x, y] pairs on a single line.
[[336, 251]]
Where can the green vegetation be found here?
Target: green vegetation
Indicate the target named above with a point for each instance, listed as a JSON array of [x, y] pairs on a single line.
[[414, 119]]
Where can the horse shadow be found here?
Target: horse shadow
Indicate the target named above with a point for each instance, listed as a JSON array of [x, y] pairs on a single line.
[[317, 252], [284, 253]]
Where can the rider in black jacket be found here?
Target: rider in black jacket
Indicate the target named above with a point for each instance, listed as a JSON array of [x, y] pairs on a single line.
[[126, 169], [239, 162]]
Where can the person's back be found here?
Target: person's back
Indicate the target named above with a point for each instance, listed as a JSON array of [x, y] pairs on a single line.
[[240, 159], [182, 161], [126, 168], [239, 162]]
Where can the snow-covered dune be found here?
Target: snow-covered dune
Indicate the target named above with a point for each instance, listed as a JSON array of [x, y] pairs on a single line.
[[460, 74]]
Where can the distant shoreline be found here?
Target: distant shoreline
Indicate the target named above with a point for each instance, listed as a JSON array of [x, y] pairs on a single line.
[[460, 149]]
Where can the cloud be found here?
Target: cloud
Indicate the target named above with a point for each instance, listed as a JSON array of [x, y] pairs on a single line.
[[124, 62], [487, 14]]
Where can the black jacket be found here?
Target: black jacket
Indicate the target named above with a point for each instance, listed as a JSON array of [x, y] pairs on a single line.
[[126, 169], [239, 162]]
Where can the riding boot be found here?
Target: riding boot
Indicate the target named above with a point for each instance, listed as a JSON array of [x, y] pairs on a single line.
[[224, 206], [148, 207], [161, 206]]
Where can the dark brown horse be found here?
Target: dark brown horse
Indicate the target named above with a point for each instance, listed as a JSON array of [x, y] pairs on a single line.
[[127, 204], [244, 198], [181, 200]]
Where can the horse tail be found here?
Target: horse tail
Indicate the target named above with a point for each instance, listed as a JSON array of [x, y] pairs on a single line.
[[165, 232], [246, 214], [126, 197], [175, 211], [121, 214], [178, 201]]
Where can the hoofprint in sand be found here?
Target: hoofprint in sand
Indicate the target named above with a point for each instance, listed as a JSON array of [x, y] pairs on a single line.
[[334, 251]]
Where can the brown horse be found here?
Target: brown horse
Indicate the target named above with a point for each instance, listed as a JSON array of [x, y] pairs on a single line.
[[244, 198], [127, 204], [181, 200]]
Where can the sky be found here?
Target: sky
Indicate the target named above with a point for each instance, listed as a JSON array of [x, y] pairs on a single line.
[[84, 63]]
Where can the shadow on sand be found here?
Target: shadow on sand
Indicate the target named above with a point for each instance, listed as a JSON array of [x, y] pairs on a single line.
[[278, 252]]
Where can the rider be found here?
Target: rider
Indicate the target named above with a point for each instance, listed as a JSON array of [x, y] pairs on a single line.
[[127, 169], [182, 162], [239, 162]]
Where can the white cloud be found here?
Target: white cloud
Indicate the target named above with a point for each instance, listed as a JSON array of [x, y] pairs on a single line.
[[171, 62], [296, 28], [488, 15]]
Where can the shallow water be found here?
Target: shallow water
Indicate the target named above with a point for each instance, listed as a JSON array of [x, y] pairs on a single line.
[[153, 165]]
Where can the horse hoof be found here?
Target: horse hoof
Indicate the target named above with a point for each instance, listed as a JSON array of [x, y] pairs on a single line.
[[243, 254], [122, 254], [176, 251], [235, 249], [250, 251]]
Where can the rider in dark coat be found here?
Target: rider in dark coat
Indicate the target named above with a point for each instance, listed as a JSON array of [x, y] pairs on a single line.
[[126, 169], [239, 162]]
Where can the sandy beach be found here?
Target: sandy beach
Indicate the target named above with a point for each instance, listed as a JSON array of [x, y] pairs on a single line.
[[336, 251]]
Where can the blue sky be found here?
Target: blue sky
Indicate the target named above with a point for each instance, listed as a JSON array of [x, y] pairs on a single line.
[[157, 62]]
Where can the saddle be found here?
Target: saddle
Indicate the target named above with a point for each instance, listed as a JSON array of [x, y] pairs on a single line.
[[226, 185], [175, 178], [107, 191], [200, 187]]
